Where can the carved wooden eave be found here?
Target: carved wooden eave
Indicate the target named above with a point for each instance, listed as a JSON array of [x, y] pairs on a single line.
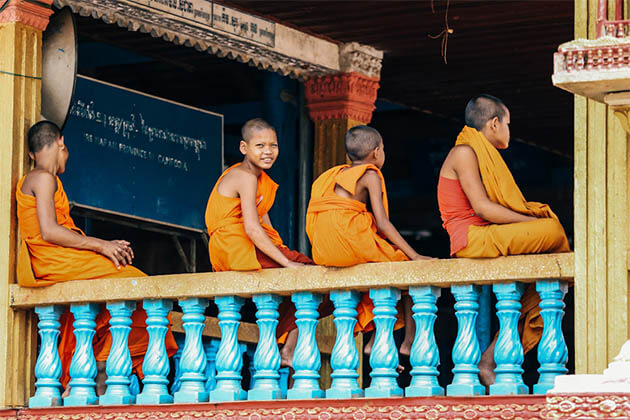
[[598, 69], [293, 53]]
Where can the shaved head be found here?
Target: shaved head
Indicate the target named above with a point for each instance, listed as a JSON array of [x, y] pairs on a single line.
[[251, 126], [482, 109], [360, 141], [41, 135]]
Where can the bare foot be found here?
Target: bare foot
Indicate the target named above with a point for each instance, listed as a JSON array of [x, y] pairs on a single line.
[[487, 365], [286, 352], [101, 377], [66, 392]]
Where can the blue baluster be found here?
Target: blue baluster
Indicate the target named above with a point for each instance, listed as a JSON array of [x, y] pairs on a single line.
[[156, 366], [466, 353], [48, 366], [249, 352], [267, 356], [425, 356], [306, 359], [552, 349], [177, 357], [83, 365], [384, 355], [284, 381], [211, 347], [345, 357], [508, 352], [134, 386], [193, 361], [118, 366], [229, 357]]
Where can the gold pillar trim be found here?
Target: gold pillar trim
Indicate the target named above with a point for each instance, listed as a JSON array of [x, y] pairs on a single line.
[[623, 115]]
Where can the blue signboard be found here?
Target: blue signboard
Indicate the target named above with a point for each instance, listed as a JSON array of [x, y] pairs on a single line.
[[140, 155]]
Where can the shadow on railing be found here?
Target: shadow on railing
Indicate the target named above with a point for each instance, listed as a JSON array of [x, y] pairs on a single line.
[[211, 370]]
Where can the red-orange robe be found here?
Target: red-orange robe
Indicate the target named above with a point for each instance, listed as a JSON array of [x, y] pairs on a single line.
[[232, 250], [42, 263], [344, 233]]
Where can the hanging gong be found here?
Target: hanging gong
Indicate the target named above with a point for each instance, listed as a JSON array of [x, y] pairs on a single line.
[[59, 66]]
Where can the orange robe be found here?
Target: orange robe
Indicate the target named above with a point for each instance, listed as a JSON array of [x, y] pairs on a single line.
[[343, 232], [537, 236], [42, 263], [232, 250]]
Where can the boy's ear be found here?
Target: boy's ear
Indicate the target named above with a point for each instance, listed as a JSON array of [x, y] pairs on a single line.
[[61, 142], [32, 156], [243, 147]]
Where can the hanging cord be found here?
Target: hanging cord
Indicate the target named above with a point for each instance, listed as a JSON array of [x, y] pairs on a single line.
[[445, 32], [20, 75]]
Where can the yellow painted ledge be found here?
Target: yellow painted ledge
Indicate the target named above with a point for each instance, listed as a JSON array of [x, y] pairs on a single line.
[[284, 281]]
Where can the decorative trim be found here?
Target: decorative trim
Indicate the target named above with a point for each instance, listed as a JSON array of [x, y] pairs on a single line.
[[173, 29], [357, 58], [588, 406], [31, 13], [605, 57], [345, 95], [485, 408]]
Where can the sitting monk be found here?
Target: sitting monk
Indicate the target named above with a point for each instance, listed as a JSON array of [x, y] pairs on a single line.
[[343, 232], [485, 213], [54, 250], [241, 235]]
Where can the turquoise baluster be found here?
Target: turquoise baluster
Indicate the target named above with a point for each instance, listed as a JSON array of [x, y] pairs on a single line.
[[425, 356], [508, 351], [384, 355], [83, 365], [118, 366], [345, 357], [466, 353], [267, 356], [211, 347], [156, 366], [177, 357], [306, 359], [193, 361], [229, 357], [552, 349], [48, 366]]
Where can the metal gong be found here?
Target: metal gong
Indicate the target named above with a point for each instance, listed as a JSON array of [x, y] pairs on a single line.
[[59, 68]]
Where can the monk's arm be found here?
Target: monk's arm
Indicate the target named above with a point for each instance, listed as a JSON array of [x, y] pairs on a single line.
[[43, 189], [373, 184], [247, 192], [466, 167]]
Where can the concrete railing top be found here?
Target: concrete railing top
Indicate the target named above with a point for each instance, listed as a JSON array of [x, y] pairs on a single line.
[[285, 281]]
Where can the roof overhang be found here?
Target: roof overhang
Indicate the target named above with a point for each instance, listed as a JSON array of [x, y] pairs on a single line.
[[227, 32]]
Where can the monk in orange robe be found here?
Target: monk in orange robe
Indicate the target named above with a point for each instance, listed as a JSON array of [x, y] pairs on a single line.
[[485, 212], [343, 232], [241, 235], [54, 250]]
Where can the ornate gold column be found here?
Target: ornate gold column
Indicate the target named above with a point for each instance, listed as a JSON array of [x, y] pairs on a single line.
[[21, 26], [600, 201], [341, 101]]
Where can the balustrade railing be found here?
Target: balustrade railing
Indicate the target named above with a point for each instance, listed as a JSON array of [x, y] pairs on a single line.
[[211, 370]]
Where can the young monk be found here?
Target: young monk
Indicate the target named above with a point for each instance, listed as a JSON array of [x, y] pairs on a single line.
[[54, 250], [485, 213], [241, 235], [343, 232]]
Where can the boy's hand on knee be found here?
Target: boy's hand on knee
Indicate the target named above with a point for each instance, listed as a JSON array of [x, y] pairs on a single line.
[[118, 251]]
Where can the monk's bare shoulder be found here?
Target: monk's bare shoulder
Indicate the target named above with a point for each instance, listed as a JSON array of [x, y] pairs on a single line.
[[460, 155], [39, 180], [234, 181]]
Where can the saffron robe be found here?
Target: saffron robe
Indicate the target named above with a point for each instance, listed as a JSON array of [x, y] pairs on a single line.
[[42, 263], [232, 250], [537, 236], [344, 233]]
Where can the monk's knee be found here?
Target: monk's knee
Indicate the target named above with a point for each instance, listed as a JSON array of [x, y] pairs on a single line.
[[554, 234]]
